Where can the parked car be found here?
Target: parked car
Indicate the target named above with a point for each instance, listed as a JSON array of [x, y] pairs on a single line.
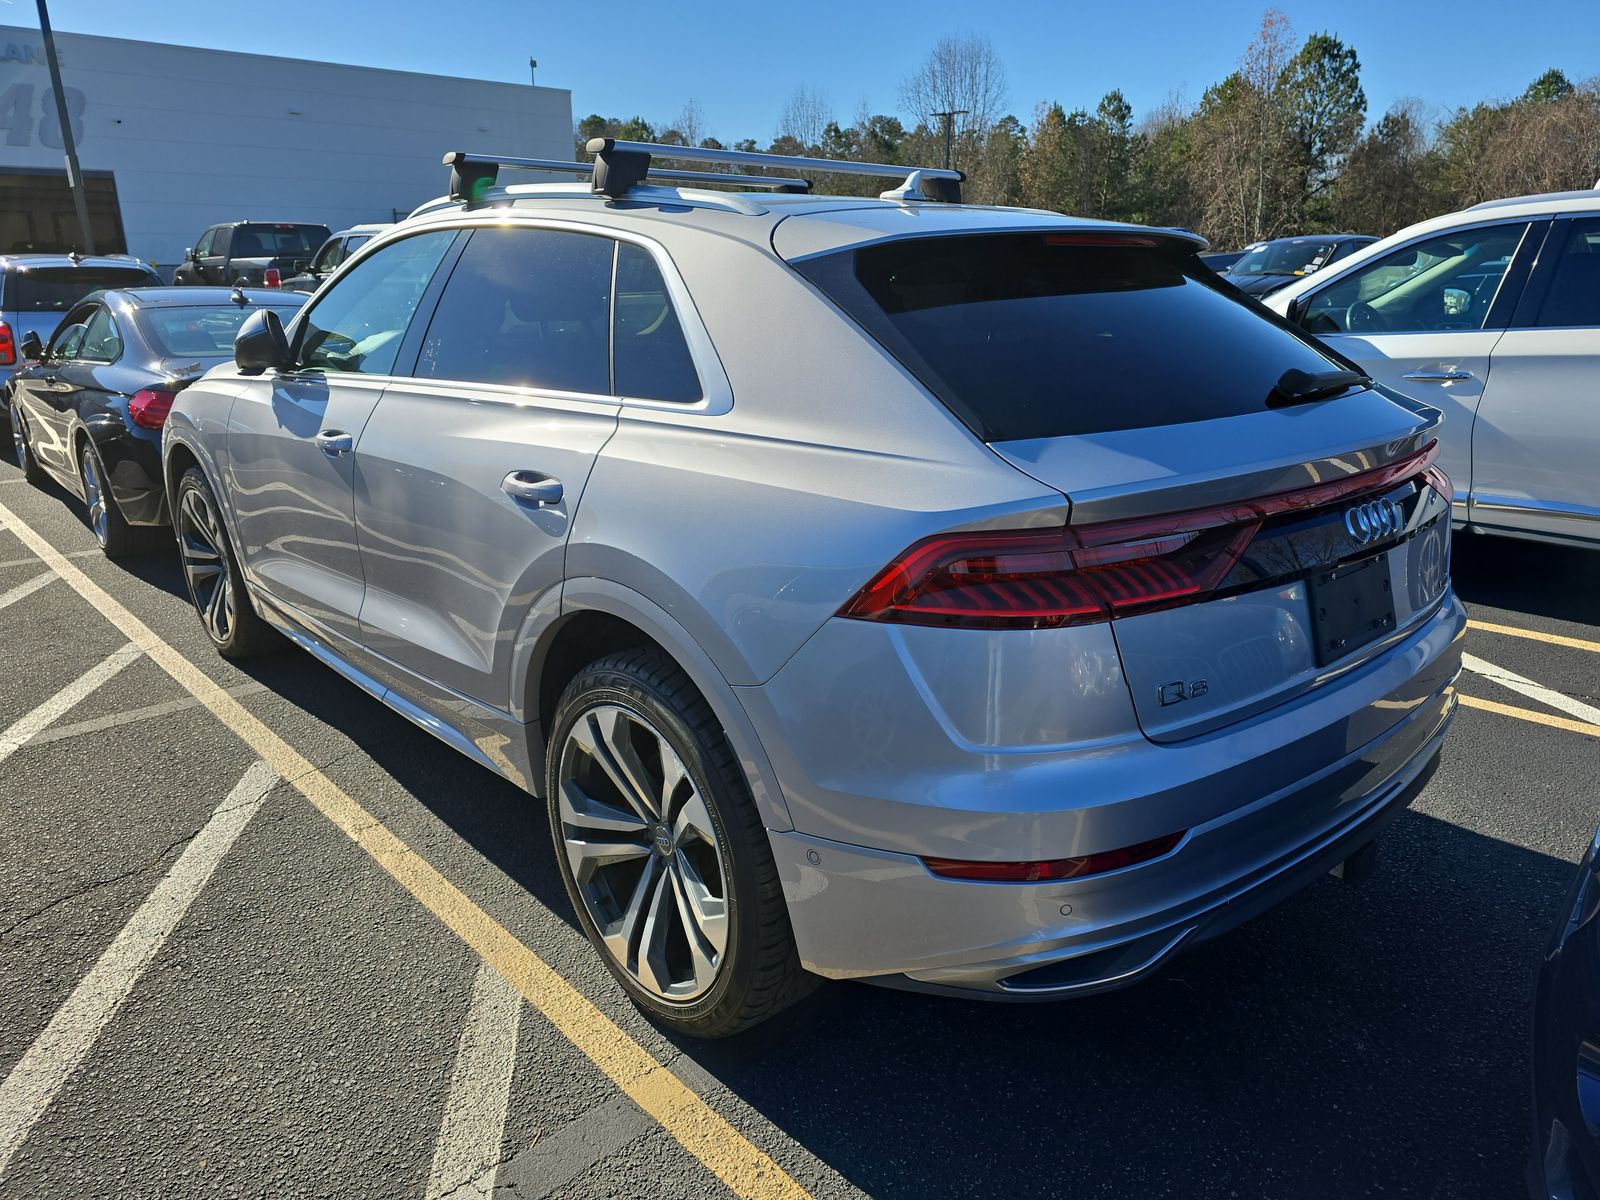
[[332, 252], [1492, 316], [87, 409], [35, 289], [255, 253], [868, 597], [1268, 266]]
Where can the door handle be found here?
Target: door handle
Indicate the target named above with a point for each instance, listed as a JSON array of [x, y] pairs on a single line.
[[1437, 376], [530, 487], [335, 442]]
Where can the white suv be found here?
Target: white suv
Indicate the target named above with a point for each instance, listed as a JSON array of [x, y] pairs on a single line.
[[1491, 315]]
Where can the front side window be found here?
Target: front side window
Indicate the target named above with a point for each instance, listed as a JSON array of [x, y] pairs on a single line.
[[650, 357], [1440, 284], [329, 256], [67, 340], [357, 325], [525, 307], [203, 246], [1573, 298], [101, 342]]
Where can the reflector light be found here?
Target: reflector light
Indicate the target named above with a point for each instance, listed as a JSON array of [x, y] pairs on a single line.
[[1053, 868], [8, 346], [270, 278], [1076, 575], [148, 409]]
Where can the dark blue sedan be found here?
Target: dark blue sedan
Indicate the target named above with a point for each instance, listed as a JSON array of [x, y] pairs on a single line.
[[1566, 1048], [87, 409]]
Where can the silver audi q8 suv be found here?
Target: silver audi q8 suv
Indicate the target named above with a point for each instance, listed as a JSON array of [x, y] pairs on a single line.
[[968, 599]]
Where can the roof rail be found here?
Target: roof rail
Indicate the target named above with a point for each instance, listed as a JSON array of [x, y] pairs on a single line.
[[620, 165], [473, 174]]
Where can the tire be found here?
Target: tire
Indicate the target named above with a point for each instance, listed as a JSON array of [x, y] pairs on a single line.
[[116, 537], [637, 907], [31, 470], [211, 572]]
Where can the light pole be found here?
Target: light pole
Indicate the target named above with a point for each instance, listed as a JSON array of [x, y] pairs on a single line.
[[80, 198], [949, 125]]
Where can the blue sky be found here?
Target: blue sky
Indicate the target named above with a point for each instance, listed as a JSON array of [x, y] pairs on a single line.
[[742, 62]]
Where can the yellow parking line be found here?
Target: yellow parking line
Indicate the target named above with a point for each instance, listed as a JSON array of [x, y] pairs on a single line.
[[1530, 714], [1555, 639], [737, 1161]]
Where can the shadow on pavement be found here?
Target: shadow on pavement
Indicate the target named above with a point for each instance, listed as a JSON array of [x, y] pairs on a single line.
[[1561, 582], [1354, 1041]]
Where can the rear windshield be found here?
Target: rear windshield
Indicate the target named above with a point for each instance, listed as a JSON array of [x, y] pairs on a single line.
[[198, 332], [56, 289], [1046, 335], [277, 241]]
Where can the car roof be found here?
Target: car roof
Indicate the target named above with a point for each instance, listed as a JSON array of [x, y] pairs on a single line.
[[810, 224], [376, 227], [202, 297], [27, 262], [1543, 205]]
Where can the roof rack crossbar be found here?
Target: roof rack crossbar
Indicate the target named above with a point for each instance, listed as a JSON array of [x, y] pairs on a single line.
[[619, 161], [472, 174]]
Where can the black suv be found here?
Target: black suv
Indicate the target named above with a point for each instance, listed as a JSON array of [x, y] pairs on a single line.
[[247, 251]]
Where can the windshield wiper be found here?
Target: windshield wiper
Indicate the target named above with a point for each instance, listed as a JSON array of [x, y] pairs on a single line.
[[1295, 386]]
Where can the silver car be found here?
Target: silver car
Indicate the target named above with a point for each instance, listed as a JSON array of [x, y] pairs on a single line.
[[1492, 316], [964, 599]]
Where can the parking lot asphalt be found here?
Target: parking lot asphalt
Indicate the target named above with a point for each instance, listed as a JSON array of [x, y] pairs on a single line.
[[212, 988]]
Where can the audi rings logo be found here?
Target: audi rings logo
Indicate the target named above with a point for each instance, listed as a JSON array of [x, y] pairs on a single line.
[[1372, 521]]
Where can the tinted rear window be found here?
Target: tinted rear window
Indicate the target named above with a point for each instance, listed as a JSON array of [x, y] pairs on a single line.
[[56, 289], [198, 332], [275, 241], [1046, 335]]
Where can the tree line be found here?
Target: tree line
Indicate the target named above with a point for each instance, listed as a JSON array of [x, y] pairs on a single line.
[[1281, 146]]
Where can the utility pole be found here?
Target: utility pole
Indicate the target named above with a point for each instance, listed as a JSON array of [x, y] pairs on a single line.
[[949, 126], [80, 198], [533, 65]]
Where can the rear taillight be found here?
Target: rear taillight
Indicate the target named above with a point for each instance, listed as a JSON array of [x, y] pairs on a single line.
[[1053, 868], [271, 278], [1078, 575], [148, 409], [8, 346]]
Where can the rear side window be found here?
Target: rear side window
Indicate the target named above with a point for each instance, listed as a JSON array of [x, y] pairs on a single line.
[[1573, 298], [1053, 334], [652, 360], [56, 289], [525, 307], [358, 323]]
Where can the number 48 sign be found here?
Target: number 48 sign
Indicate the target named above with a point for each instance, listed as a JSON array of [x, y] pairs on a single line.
[[16, 115]]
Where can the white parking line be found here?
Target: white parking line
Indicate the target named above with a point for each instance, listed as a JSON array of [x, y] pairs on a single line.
[[72, 1032], [466, 1157], [31, 560], [23, 728], [131, 716], [25, 589], [1532, 690]]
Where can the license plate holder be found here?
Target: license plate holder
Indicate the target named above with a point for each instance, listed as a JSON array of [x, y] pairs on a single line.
[[1351, 606]]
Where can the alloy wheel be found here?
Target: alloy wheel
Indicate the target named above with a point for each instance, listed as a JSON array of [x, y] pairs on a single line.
[[94, 497], [205, 566], [644, 852]]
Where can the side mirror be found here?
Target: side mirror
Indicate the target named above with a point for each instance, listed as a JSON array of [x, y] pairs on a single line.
[[261, 344], [190, 255], [32, 348]]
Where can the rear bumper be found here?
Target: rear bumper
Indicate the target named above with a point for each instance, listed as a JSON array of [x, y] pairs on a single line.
[[1257, 832]]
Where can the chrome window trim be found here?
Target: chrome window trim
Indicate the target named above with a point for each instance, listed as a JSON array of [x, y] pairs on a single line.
[[718, 392]]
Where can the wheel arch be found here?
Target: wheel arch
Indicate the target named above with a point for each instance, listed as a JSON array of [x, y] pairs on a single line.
[[598, 617]]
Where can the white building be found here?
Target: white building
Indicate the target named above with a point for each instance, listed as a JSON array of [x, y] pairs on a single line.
[[173, 139]]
